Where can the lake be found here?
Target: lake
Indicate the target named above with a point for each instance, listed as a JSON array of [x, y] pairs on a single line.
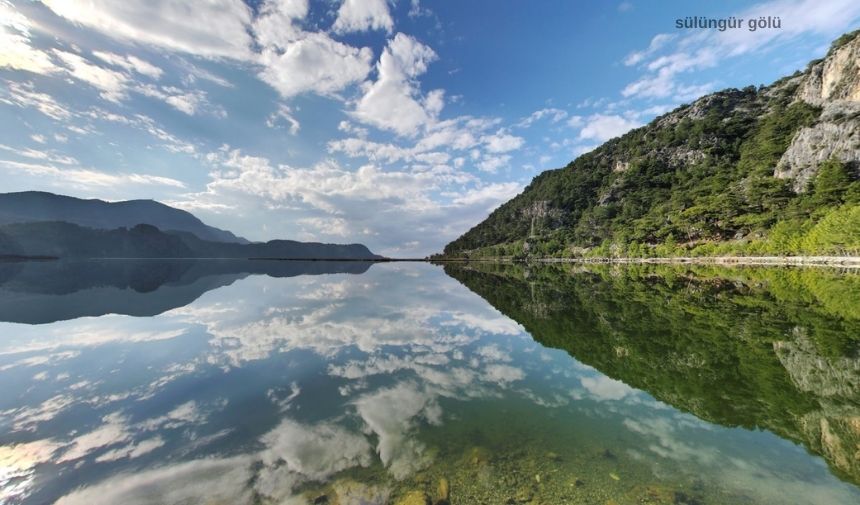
[[257, 382]]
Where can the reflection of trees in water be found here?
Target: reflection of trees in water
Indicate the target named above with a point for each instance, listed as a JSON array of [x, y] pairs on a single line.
[[752, 347]]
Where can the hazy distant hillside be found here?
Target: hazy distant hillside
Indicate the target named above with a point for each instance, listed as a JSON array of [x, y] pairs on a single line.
[[764, 170], [66, 240], [32, 206]]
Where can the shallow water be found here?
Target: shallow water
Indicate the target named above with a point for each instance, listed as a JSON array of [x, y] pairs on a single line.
[[284, 382]]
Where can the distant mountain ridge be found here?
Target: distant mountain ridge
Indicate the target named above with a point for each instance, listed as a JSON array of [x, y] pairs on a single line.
[[40, 224], [31, 206], [66, 240], [760, 170]]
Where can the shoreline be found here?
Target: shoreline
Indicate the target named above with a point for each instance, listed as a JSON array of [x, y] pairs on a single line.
[[809, 261]]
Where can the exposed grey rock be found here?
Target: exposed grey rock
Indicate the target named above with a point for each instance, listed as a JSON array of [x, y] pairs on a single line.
[[833, 83], [836, 77], [836, 136]]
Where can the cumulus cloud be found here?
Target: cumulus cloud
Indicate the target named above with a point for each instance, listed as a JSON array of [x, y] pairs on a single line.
[[602, 127], [502, 142], [393, 101], [315, 63], [377, 204], [492, 164], [362, 15]]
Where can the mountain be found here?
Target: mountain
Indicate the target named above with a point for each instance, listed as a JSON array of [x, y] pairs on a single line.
[[67, 240], [30, 206], [759, 170]]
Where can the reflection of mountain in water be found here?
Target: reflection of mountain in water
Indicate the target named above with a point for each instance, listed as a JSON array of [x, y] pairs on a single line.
[[44, 292], [775, 349]]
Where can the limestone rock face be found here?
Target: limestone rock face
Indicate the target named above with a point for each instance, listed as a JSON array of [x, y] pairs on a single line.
[[837, 77], [833, 84], [837, 136]]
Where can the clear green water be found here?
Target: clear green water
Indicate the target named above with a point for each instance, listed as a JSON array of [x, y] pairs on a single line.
[[258, 382]]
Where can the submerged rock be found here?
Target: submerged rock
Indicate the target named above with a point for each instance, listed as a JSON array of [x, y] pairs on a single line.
[[414, 498], [443, 491], [350, 492]]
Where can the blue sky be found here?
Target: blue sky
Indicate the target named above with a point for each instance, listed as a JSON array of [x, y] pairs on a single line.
[[398, 124]]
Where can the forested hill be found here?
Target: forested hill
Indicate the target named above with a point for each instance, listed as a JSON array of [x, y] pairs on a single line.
[[764, 170]]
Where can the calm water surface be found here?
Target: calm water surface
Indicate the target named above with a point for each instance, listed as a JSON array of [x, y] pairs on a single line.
[[293, 383]]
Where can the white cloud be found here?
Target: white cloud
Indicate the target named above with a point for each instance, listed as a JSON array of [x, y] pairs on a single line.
[[603, 127], [393, 102], [492, 164], [362, 15], [328, 226], [85, 178], [24, 95], [216, 28], [659, 40], [49, 156], [555, 115], [383, 208], [492, 194], [501, 142], [111, 83], [130, 63], [285, 114], [185, 101], [17, 51], [314, 63], [195, 72]]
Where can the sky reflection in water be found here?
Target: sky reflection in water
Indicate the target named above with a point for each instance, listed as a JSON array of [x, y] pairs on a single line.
[[272, 389]]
